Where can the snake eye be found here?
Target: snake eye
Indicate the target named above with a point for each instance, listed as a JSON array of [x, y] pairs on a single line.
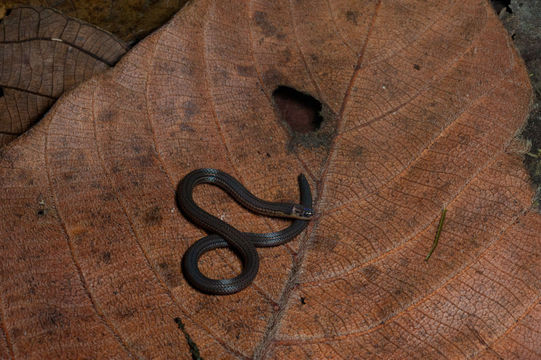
[[307, 213], [301, 212]]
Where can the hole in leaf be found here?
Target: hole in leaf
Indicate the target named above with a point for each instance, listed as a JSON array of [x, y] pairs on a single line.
[[1, 92], [300, 111]]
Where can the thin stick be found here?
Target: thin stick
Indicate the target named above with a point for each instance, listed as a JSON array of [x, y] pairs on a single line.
[[440, 226]]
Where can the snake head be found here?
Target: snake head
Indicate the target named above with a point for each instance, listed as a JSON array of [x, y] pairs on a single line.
[[301, 212]]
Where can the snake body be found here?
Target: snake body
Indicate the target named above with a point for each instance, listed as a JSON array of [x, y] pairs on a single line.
[[224, 235]]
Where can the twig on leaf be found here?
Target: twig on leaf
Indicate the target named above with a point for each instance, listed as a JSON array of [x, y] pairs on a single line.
[[193, 347], [440, 226]]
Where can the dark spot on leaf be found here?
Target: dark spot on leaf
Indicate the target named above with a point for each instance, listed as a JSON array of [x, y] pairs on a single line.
[[186, 66], [385, 311], [172, 278], [324, 244], [190, 109], [357, 151], [404, 262], [475, 244], [107, 196], [358, 287], [220, 77], [186, 127], [300, 111], [245, 70], [286, 53], [126, 312], [416, 67], [95, 185], [352, 16], [167, 68], [398, 292], [41, 212], [153, 216], [1, 92], [69, 176], [106, 116], [371, 272], [51, 316], [137, 148], [145, 160], [272, 76], [106, 256], [17, 332], [260, 19]]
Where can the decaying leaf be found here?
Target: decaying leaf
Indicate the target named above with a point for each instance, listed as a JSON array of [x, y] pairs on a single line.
[[44, 54], [421, 101]]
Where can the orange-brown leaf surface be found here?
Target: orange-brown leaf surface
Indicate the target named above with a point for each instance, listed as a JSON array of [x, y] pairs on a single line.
[[43, 54], [421, 102]]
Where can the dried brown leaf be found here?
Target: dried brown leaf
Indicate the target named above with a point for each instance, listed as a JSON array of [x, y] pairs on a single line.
[[421, 101], [44, 54]]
